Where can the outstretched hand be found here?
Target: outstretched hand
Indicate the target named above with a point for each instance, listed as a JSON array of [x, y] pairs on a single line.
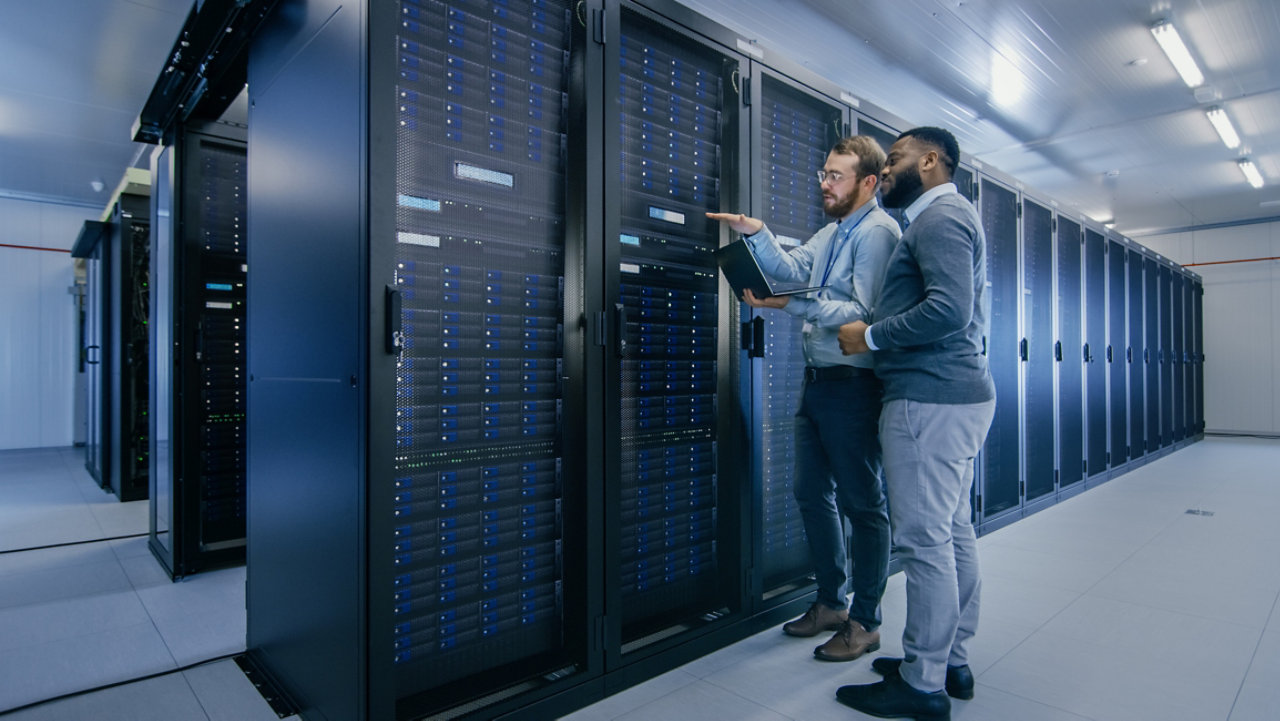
[[773, 301], [740, 223]]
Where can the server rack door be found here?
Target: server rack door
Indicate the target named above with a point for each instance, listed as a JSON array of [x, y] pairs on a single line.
[[674, 121], [161, 472], [1134, 357], [1177, 300], [1037, 314], [1117, 347], [1188, 357], [1151, 357], [1198, 355], [1068, 351], [489, 587], [1001, 476], [1167, 367], [964, 181], [1095, 305], [796, 131], [97, 360], [128, 346]]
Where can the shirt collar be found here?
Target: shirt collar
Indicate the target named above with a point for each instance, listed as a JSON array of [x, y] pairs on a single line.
[[930, 195]]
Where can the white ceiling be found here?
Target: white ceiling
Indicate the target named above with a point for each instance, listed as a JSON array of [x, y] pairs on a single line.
[[1071, 97]]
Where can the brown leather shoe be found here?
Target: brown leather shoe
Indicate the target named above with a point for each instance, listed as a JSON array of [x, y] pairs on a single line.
[[849, 643], [820, 617]]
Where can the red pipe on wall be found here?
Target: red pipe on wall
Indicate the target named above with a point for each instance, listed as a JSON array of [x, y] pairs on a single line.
[[33, 247], [1223, 262]]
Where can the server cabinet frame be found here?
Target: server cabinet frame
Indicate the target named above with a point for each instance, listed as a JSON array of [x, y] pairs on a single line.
[[1135, 354], [770, 380], [197, 474], [1071, 355], [91, 246], [641, 647], [1001, 494], [127, 431], [1117, 345], [1039, 335], [1095, 334]]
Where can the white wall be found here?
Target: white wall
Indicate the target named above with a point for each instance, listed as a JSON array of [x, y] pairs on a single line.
[[39, 347], [1241, 322]]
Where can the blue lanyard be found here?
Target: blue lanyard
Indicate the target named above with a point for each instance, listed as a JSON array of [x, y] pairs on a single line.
[[835, 250]]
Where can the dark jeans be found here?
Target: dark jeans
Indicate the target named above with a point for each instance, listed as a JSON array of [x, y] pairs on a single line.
[[838, 473]]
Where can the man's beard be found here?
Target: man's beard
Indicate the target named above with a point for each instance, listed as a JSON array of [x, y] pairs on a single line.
[[906, 188], [840, 207]]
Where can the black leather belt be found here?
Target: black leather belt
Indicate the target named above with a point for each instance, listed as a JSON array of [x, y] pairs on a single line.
[[834, 373]]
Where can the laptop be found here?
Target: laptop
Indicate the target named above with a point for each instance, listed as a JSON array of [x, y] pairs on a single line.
[[742, 270]]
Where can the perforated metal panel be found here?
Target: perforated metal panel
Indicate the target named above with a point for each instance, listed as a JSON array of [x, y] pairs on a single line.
[[1037, 309], [1070, 354], [1001, 454]]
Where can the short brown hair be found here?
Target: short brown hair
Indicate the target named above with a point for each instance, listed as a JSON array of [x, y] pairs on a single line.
[[871, 157]]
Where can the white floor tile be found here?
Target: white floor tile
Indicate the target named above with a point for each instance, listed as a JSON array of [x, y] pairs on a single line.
[[226, 694], [1259, 696], [69, 618], [634, 697], [701, 700], [165, 698]]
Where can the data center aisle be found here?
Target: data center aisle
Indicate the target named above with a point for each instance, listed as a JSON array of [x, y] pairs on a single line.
[[1117, 604], [83, 604]]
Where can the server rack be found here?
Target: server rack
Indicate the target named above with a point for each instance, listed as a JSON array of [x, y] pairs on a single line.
[[1167, 369], [1070, 352], [1117, 353], [91, 245], [1197, 356], [1177, 301], [675, 514], [1037, 352], [1000, 460], [1151, 354], [1135, 354], [197, 472], [127, 346], [416, 396], [796, 127], [1095, 335]]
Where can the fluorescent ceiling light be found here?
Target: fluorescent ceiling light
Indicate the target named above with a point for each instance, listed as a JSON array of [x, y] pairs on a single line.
[[1172, 45], [1222, 124], [1251, 173]]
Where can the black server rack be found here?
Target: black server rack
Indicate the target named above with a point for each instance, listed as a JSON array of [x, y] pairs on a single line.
[[91, 245], [1178, 363], [1134, 355], [885, 138], [964, 180], [674, 516], [1001, 455], [128, 346], [1167, 367], [199, 268], [1037, 351], [1197, 307], [418, 389], [1070, 353], [1151, 355], [1095, 336], [1117, 354], [796, 129]]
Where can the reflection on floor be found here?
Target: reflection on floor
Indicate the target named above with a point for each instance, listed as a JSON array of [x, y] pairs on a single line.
[[1116, 604]]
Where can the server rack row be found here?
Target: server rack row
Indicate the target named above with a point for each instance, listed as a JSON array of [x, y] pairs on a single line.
[[199, 269], [513, 446], [116, 349], [1095, 348]]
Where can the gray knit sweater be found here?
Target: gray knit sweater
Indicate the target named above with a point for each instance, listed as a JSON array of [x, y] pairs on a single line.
[[931, 316]]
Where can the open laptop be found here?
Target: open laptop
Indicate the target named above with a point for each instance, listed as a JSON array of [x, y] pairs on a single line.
[[742, 270]]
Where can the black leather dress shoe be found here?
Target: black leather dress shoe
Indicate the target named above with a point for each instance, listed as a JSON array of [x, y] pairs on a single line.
[[895, 698], [959, 678]]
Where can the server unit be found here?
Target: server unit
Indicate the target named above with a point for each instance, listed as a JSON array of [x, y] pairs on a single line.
[[1001, 466], [1117, 353], [129, 347], [1151, 355], [1071, 353], [199, 268], [91, 245], [1134, 353], [1095, 335], [1197, 355], [1040, 433]]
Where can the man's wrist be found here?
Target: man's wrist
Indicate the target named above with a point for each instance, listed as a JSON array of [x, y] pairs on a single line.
[[870, 342]]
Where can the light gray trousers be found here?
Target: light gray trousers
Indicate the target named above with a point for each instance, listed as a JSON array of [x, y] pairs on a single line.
[[928, 451]]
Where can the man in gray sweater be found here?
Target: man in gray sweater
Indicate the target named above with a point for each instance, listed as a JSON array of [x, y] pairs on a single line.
[[927, 337]]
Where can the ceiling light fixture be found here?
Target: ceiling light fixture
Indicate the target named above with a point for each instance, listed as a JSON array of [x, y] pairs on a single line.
[[1171, 43], [1222, 124], [1251, 172]]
